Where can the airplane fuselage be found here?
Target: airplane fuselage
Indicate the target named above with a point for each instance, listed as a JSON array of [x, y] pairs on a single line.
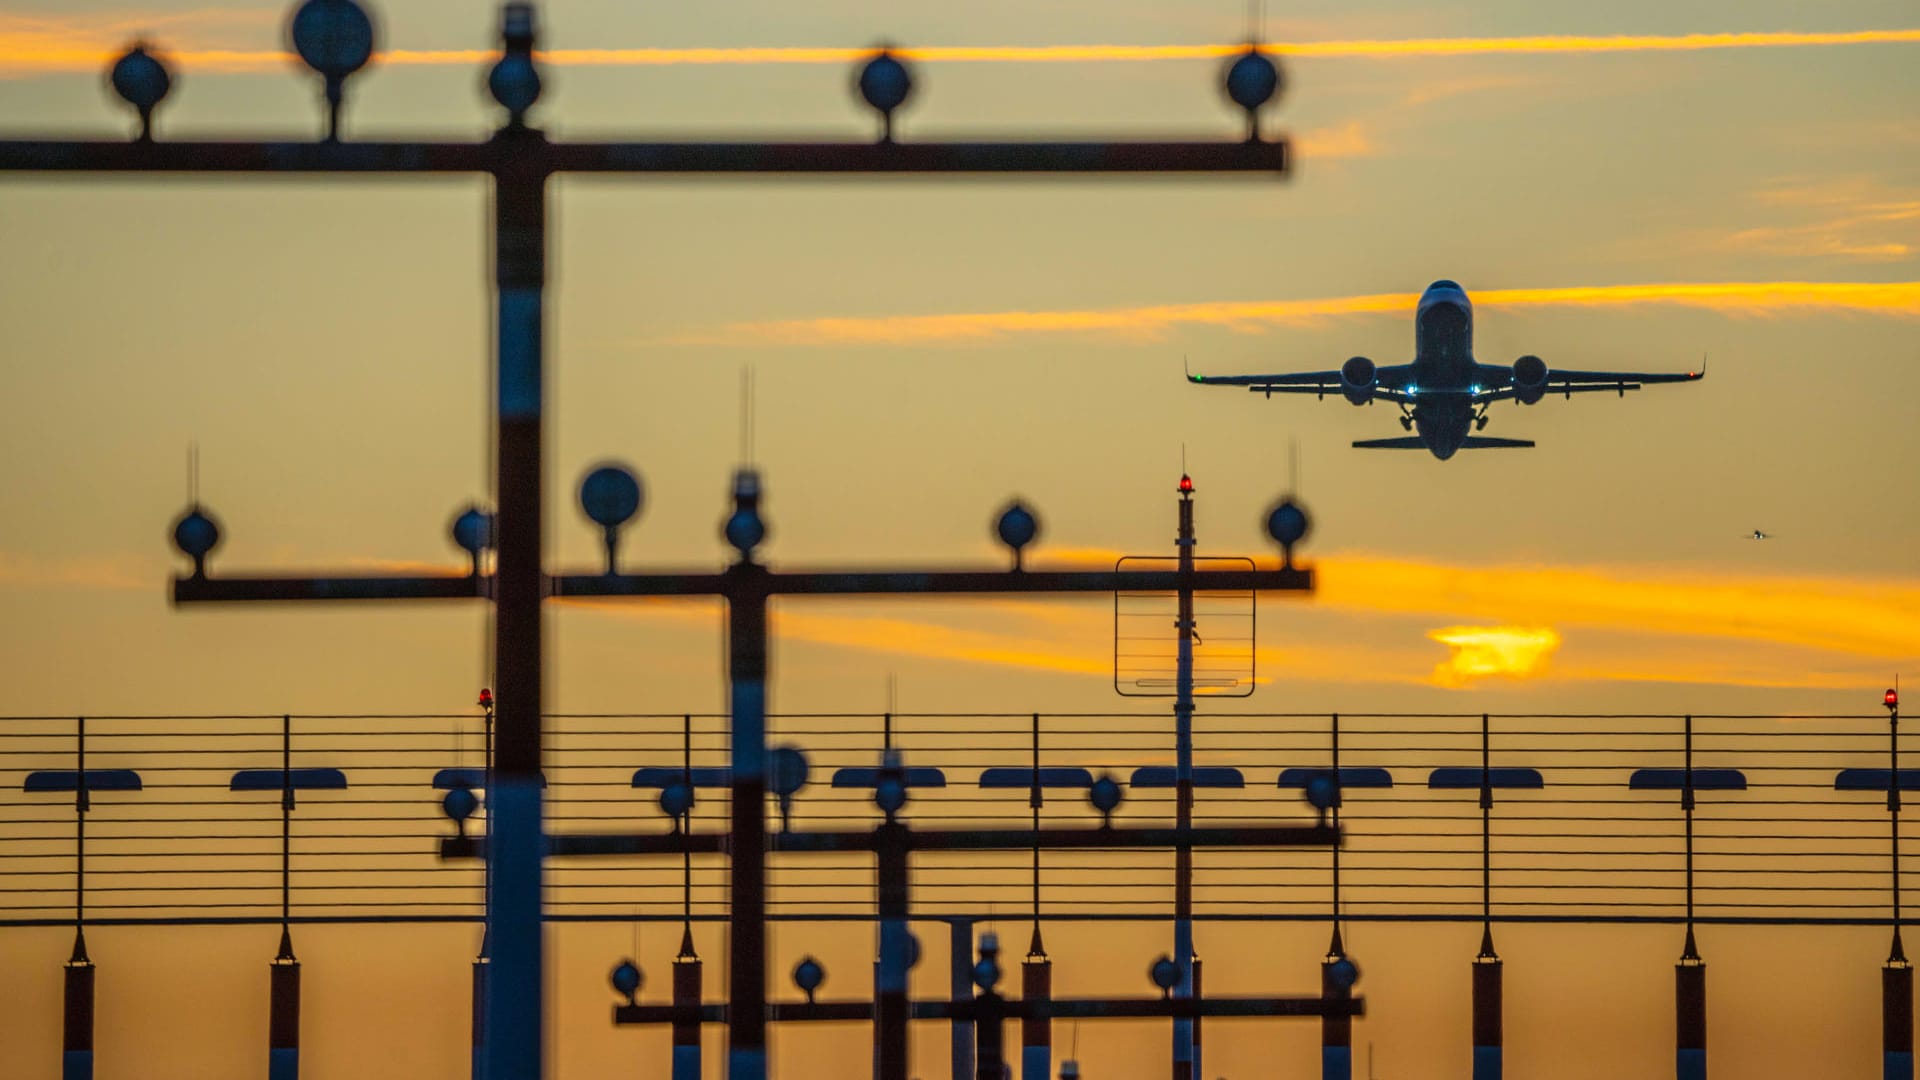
[[1443, 393], [1444, 368]]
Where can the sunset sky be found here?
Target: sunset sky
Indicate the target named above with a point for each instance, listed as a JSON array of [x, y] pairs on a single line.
[[1629, 186], [1634, 191]]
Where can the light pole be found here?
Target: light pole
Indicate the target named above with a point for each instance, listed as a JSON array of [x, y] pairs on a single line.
[[336, 38], [1896, 977]]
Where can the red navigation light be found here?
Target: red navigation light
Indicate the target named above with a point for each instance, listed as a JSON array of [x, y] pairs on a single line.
[[1186, 484], [486, 698], [1892, 700]]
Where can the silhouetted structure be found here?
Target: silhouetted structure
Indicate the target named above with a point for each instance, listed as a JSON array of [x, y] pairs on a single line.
[[336, 39]]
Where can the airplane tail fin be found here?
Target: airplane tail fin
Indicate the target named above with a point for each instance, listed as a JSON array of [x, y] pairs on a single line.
[[1413, 442]]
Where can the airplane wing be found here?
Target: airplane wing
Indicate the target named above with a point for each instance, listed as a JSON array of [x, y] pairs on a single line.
[[1499, 379], [1390, 382]]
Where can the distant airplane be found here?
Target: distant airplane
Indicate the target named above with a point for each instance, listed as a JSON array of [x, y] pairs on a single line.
[[1444, 392], [1758, 535]]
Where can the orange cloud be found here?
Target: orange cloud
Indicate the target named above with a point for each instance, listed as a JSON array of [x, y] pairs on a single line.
[[1152, 322], [1833, 629], [1482, 651], [41, 44], [1855, 616], [1853, 217], [47, 44]]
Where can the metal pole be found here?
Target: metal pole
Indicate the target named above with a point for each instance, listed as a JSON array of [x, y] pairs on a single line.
[[960, 989], [283, 1030], [76, 1057], [1488, 1049], [687, 970], [1036, 1032], [477, 1051], [890, 990], [286, 828], [514, 885], [1198, 994], [747, 966], [1896, 977], [1690, 974], [989, 1060], [1036, 971], [1336, 1032], [1185, 1064]]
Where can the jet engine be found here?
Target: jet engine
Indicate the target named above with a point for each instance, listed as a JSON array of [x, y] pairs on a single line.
[[1529, 379], [1356, 380]]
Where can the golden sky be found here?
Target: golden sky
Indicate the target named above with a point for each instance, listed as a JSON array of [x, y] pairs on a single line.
[[1623, 186], [1745, 194]]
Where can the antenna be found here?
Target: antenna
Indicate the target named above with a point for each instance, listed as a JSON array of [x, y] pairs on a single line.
[[892, 695]]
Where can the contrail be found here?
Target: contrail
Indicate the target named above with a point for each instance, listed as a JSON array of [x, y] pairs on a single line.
[[45, 46], [1151, 322]]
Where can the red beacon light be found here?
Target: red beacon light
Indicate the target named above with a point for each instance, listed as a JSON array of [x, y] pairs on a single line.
[[1186, 484], [486, 698], [1892, 700]]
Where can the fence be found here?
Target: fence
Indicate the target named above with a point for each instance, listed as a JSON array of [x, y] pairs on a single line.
[[1780, 835]]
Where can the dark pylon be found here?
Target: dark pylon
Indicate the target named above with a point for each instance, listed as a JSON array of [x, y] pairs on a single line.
[[1690, 974], [1896, 1021], [1488, 1048], [1194, 965], [1036, 971], [76, 1046], [1896, 976], [283, 1030], [479, 1047], [283, 1025], [1336, 1031], [1036, 1032], [1690, 1014], [989, 1012], [686, 993]]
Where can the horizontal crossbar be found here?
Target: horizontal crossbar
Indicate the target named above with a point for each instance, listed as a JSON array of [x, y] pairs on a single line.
[[640, 158], [190, 590], [1255, 836], [1015, 1008]]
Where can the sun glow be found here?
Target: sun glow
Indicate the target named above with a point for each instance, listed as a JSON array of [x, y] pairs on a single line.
[[1483, 651]]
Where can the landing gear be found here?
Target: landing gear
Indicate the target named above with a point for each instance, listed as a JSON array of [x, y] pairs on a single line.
[[1406, 419], [1480, 419]]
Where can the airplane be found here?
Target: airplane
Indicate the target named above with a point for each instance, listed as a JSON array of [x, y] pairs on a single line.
[[1758, 535], [1444, 393]]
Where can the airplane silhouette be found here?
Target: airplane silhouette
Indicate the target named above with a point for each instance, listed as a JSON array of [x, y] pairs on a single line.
[[1444, 393], [1758, 535]]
